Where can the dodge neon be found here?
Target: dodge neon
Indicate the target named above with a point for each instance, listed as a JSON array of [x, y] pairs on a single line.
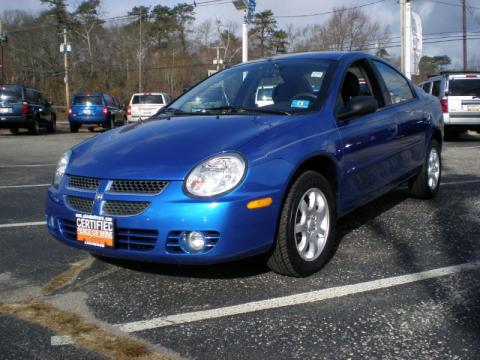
[[217, 175]]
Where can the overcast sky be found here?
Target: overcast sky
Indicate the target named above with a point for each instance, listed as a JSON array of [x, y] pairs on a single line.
[[436, 17]]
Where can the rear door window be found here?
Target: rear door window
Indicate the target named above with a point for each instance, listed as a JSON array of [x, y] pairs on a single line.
[[464, 87], [10, 94], [436, 88], [87, 100], [397, 86], [147, 99], [426, 87]]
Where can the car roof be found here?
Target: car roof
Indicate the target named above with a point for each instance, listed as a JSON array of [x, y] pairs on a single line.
[[89, 94], [148, 93]]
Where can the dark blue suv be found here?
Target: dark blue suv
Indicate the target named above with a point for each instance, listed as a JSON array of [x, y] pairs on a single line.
[[95, 109], [25, 107]]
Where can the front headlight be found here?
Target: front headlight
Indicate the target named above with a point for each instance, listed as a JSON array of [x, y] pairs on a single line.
[[61, 167], [216, 175]]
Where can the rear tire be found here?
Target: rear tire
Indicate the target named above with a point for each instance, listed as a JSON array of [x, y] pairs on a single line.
[[74, 128], [426, 183], [91, 128], [14, 131], [52, 127], [35, 127], [305, 234]]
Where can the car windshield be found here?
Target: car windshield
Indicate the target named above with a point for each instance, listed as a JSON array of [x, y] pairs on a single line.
[[10, 94], [464, 87], [87, 100], [273, 86], [147, 99]]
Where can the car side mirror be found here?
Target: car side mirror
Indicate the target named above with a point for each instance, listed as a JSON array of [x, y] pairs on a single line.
[[358, 106]]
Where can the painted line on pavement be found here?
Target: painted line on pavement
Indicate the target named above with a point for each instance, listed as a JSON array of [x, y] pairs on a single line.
[[279, 302], [3, 166], [460, 182], [22, 186], [35, 223]]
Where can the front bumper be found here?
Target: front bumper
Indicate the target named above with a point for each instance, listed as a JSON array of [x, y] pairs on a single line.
[[242, 232]]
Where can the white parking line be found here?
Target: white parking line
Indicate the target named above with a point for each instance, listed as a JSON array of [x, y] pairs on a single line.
[[26, 165], [279, 302], [460, 182], [22, 186], [35, 223]]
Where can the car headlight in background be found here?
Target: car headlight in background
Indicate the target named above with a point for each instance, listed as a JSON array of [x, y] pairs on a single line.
[[61, 167], [216, 175]]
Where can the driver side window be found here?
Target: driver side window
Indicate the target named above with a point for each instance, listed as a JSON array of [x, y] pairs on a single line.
[[358, 81]]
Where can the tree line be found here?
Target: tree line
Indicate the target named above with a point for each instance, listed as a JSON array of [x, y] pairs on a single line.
[[171, 47]]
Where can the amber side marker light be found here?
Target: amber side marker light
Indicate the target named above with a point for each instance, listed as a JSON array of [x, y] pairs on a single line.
[[259, 203]]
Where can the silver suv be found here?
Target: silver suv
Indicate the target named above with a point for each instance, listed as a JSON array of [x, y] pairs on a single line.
[[459, 94]]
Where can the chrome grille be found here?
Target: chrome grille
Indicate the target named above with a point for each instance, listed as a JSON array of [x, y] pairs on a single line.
[[138, 186], [124, 207], [80, 204], [84, 183]]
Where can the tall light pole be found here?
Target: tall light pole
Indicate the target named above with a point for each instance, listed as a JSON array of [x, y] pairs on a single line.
[[248, 8], [464, 34], [406, 43], [65, 48]]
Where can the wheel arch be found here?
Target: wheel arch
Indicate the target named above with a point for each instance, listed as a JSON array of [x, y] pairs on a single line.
[[437, 136], [321, 163]]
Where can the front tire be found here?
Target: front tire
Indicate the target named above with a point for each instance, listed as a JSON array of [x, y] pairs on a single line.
[[426, 183], [305, 234], [14, 131]]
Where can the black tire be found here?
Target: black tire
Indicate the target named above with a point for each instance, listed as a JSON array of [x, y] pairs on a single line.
[[14, 131], [52, 127], [74, 128], [421, 186], [91, 128], [34, 129], [111, 123], [284, 258]]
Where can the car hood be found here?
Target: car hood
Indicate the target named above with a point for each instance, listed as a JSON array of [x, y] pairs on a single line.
[[164, 149]]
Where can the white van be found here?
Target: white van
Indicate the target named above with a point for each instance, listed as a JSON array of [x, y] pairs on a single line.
[[144, 105]]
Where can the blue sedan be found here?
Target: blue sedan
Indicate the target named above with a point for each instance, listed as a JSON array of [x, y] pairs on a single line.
[[221, 174]]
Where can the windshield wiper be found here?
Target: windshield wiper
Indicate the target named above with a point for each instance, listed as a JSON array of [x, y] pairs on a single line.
[[236, 109]]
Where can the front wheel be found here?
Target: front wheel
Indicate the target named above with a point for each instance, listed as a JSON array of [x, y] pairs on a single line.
[[305, 235], [426, 183]]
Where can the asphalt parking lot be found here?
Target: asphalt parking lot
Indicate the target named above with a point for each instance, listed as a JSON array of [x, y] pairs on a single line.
[[404, 282]]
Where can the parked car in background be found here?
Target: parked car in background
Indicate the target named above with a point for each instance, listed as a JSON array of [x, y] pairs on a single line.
[[459, 94], [214, 177], [25, 107], [95, 109], [144, 105]]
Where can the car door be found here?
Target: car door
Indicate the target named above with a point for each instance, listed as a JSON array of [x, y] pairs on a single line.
[[368, 142], [413, 120]]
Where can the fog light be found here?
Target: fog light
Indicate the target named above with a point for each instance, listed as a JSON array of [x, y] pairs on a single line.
[[193, 241], [51, 222]]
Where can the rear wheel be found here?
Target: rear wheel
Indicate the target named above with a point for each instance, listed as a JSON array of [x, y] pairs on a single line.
[[52, 127], [35, 127], [14, 131], [91, 128], [426, 183], [74, 128], [305, 234]]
